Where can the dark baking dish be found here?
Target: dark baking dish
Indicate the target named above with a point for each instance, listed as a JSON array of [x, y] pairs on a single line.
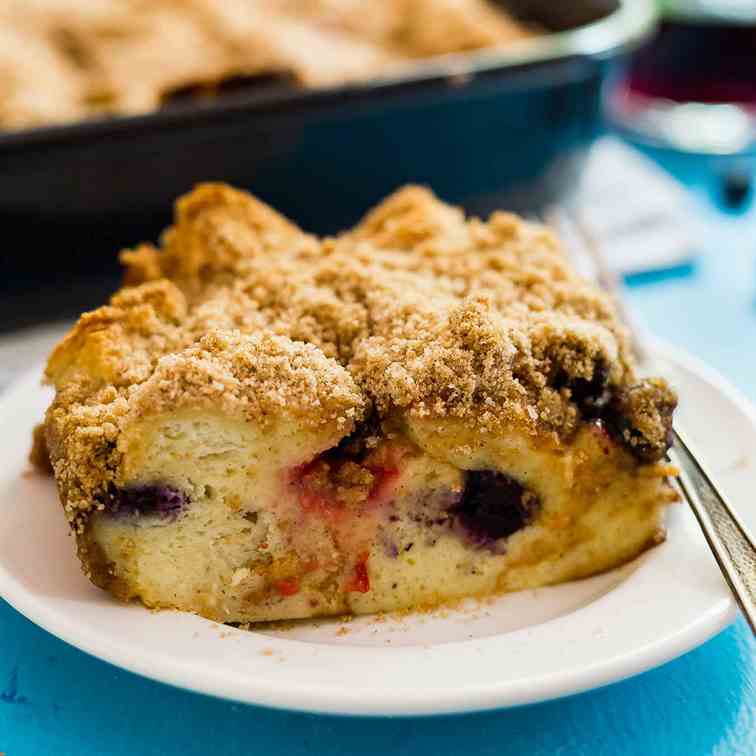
[[486, 129]]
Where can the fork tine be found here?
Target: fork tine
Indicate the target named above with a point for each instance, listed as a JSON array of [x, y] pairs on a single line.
[[731, 543]]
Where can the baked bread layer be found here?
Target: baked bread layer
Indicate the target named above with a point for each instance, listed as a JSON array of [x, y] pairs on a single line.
[[262, 424]]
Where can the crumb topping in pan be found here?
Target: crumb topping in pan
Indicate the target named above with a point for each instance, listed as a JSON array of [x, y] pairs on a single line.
[[65, 60], [417, 310]]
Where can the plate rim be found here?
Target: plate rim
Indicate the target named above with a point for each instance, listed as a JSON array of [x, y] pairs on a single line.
[[308, 697]]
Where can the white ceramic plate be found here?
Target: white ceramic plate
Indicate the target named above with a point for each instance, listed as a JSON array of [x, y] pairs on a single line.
[[516, 649]]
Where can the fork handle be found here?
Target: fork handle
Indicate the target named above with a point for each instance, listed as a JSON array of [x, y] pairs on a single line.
[[733, 546]]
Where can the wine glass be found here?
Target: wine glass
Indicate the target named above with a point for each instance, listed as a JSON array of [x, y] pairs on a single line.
[[692, 88]]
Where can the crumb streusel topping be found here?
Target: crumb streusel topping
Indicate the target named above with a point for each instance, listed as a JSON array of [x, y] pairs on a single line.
[[416, 310], [65, 60]]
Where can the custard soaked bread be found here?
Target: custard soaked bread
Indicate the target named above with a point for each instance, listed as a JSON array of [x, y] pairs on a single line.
[[264, 425]]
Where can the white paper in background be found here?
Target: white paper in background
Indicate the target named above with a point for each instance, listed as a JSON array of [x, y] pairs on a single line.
[[641, 216]]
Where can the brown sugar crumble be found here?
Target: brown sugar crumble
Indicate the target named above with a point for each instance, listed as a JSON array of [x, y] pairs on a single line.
[[73, 59], [416, 311]]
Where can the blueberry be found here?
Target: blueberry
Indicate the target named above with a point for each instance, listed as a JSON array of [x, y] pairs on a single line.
[[389, 547], [591, 396], [630, 414], [621, 411], [620, 428], [153, 499], [356, 446], [494, 506]]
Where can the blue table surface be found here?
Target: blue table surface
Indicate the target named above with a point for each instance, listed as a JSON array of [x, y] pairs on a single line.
[[56, 700]]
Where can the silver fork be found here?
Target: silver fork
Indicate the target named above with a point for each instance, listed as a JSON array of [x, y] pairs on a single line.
[[731, 543]]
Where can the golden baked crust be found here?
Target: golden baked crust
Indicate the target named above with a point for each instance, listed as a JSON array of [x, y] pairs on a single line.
[[417, 312], [65, 60], [262, 424]]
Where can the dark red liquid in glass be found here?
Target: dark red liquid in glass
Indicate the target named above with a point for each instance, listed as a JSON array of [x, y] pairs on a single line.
[[699, 62]]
